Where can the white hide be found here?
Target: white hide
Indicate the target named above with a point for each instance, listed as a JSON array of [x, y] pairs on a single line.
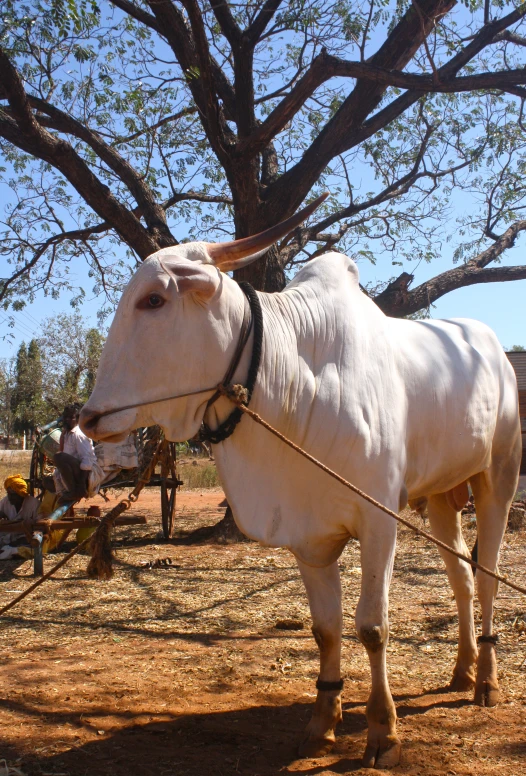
[[391, 405]]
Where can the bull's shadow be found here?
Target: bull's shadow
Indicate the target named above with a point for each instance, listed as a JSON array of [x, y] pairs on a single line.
[[257, 741]]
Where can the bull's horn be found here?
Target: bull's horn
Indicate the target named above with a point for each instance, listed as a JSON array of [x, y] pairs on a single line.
[[238, 253]]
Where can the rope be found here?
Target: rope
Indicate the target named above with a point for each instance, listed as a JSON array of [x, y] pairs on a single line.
[[234, 393], [102, 557], [46, 576], [228, 426], [237, 395]]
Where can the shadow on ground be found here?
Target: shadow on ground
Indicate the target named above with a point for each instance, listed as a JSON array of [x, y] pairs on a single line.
[[257, 741]]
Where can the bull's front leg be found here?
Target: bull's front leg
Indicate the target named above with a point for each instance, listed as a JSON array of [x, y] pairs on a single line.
[[377, 547], [325, 601]]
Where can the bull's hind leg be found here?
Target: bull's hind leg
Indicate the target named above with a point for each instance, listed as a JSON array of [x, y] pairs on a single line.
[[377, 547], [446, 526], [325, 600], [493, 491]]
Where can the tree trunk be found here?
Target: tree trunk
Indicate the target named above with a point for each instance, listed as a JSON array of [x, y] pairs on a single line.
[[265, 274]]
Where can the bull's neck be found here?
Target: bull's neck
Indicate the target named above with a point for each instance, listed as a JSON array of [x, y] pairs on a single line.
[[285, 360]]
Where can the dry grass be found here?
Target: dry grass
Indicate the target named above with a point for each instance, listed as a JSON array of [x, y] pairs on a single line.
[[197, 474], [180, 671]]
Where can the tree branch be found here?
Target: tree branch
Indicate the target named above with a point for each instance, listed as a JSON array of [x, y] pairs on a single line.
[[510, 37], [27, 134], [336, 137], [256, 29], [401, 302], [84, 234], [483, 37], [343, 131], [197, 197], [325, 67], [243, 53], [178, 34], [56, 239], [160, 123], [151, 211], [303, 235], [139, 14], [398, 300], [227, 23], [190, 46]]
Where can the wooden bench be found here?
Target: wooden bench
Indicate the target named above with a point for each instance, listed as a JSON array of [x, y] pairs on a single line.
[[64, 524]]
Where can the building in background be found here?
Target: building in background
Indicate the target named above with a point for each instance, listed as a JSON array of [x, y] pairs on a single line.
[[518, 362]]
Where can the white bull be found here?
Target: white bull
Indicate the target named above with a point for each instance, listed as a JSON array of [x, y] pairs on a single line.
[[403, 409]]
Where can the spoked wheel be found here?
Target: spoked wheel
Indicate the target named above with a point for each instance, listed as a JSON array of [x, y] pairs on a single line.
[[169, 485], [35, 471]]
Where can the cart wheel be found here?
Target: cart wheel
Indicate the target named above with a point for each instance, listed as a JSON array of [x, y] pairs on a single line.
[[34, 473], [169, 484]]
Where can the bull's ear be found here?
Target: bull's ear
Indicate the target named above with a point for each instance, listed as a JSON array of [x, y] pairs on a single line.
[[200, 280]]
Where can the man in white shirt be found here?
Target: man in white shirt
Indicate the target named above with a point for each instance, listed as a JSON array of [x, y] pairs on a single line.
[[16, 506], [75, 460]]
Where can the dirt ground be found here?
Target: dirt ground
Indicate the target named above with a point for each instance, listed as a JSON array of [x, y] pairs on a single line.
[[179, 670]]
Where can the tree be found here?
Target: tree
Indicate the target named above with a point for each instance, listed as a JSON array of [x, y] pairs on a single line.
[[20, 393], [7, 386], [71, 352], [27, 405], [94, 345], [517, 349], [143, 119]]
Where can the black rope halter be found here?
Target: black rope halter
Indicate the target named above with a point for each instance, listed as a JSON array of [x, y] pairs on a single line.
[[227, 427]]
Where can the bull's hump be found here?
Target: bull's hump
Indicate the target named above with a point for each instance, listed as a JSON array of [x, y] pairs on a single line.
[[331, 271]]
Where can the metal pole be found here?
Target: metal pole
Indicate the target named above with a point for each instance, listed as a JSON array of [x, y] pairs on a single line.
[[38, 556], [38, 539]]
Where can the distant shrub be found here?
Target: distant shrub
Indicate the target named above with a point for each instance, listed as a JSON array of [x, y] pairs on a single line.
[[199, 477]]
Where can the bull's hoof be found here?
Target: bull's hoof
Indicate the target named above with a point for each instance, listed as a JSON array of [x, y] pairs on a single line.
[[487, 694], [316, 747], [487, 684], [319, 736], [382, 756], [461, 683]]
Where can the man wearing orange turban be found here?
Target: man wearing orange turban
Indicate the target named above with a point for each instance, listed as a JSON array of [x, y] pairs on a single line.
[[16, 506], [17, 483]]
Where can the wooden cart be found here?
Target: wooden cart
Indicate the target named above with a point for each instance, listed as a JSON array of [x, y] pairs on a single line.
[[146, 439]]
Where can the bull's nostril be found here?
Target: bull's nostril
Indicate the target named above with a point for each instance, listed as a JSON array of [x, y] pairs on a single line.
[[89, 420]]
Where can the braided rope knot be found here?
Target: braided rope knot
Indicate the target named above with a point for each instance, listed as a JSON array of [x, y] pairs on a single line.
[[236, 392]]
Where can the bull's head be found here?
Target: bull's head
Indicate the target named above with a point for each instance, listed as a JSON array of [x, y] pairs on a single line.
[[174, 332]]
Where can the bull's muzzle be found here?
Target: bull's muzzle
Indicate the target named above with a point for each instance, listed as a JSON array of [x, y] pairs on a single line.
[[88, 420]]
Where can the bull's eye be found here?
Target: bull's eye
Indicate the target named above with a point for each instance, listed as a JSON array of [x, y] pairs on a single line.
[[151, 302]]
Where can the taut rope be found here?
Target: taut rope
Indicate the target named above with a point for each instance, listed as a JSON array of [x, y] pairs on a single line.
[[46, 576], [236, 395], [100, 564]]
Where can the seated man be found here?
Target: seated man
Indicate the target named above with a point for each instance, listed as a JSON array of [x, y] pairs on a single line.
[[75, 460], [15, 506]]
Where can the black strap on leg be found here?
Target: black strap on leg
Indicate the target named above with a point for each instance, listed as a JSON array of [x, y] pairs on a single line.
[[329, 686], [493, 639]]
